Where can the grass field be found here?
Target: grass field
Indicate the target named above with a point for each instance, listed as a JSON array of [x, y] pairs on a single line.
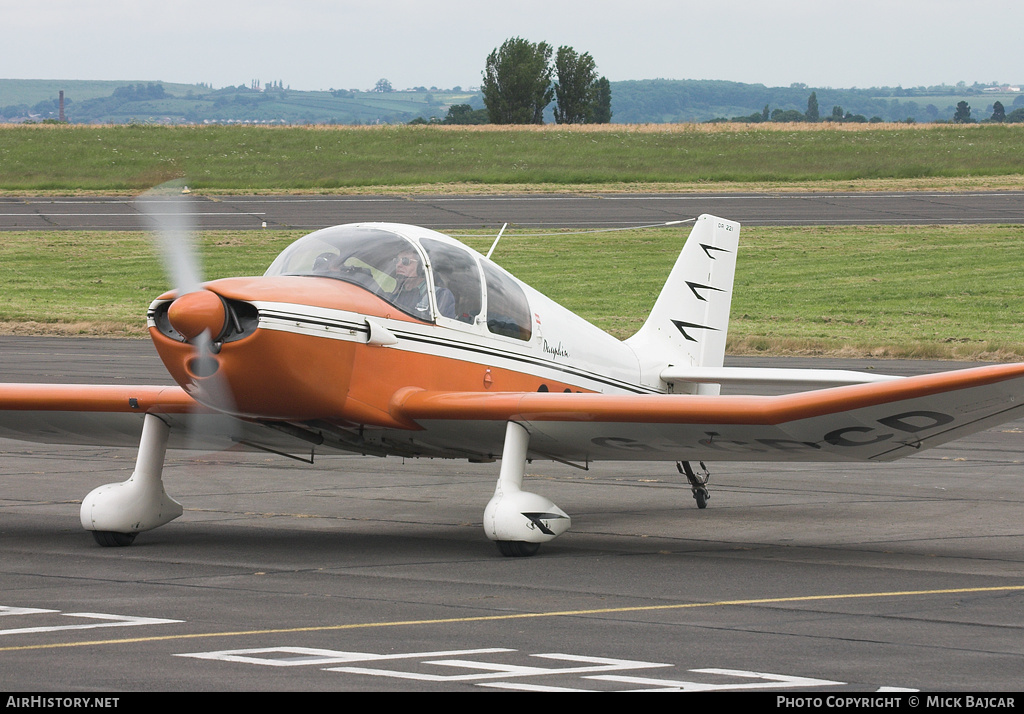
[[952, 292], [936, 292], [73, 159]]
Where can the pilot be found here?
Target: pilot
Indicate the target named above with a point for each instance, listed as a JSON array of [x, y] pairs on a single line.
[[411, 288], [324, 263]]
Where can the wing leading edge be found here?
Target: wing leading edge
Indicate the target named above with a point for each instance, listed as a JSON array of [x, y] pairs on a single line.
[[103, 415], [878, 421], [87, 414]]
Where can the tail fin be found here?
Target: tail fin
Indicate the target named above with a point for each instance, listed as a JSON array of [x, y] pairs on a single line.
[[690, 320]]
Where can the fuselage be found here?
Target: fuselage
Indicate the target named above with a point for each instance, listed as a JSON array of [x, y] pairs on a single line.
[[339, 325]]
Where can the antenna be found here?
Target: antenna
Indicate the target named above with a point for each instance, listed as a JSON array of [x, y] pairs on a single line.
[[495, 243]]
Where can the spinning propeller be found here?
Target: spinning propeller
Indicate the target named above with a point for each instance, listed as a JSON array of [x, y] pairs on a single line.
[[200, 316]]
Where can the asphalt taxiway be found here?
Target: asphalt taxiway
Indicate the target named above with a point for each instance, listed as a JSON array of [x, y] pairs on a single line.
[[596, 210], [358, 573]]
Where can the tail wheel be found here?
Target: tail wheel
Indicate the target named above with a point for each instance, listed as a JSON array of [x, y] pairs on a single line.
[[698, 483], [701, 496]]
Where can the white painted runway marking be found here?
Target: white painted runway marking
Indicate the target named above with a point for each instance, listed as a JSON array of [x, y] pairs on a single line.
[[480, 667], [4, 610], [497, 670], [304, 656], [107, 620], [766, 681]]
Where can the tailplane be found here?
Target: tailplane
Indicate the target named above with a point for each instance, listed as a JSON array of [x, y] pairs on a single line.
[[689, 323]]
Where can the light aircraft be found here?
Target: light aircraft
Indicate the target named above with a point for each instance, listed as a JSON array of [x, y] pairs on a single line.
[[386, 339]]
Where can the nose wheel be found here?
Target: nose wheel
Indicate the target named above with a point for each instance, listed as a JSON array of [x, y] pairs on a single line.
[[116, 512], [698, 482]]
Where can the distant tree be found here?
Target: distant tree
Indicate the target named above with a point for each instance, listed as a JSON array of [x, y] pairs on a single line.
[[812, 107], [465, 114], [383, 85], [14, 111], [575, 85], [787, 115], [139, 92], [1016, 116], [837, 113], [963, 113], [998, 112], [602, 107], [754, 118], [764, 113], [517, 82]]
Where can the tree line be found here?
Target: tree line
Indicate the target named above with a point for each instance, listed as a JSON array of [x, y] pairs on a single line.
[[520, 81], [636, 102], [961, 115]]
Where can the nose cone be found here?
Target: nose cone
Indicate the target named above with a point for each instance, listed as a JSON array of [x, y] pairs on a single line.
[[256, 366], [198, 312]]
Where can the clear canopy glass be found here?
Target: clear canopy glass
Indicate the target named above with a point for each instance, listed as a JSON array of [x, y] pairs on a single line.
[[394, 268]]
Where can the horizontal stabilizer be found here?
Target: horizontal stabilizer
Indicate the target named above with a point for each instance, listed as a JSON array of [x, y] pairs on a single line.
[[767, 376]]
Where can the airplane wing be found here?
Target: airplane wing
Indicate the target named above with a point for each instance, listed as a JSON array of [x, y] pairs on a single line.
[[874, 422], [879, 421], [104, 415]]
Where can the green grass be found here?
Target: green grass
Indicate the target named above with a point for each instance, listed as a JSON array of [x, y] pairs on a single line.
[[101, 282], [937, 292], [132, 158], [952, 291]]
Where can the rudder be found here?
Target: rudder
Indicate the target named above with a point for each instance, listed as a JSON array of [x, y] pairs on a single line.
[[689, 323]]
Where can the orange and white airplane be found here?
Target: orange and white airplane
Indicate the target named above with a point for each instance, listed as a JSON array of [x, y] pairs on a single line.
[[386, 339]]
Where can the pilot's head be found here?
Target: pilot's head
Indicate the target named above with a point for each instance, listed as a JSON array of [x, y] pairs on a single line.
[[408, 265], [323, 262]]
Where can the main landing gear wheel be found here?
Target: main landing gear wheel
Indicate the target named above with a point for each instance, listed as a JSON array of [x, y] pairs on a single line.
[[517, 520], [109, 539], [698, 484], [517, 548]]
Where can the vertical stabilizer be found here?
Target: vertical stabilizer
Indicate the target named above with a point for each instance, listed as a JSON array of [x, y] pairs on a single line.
[[690, 320]]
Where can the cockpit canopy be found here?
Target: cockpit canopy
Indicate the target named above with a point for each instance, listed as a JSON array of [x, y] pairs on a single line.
[[361, 255], [427, 278]]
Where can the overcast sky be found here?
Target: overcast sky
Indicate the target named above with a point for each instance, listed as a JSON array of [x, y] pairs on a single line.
[[322, 44]]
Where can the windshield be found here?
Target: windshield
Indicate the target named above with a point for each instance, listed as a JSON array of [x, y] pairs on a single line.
[[383, 262]]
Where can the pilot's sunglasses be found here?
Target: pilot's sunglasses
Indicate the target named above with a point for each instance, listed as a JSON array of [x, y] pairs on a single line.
[[407, 261]]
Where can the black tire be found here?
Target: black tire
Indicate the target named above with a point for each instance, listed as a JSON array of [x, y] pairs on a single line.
[[109, 539], [517, 548], [702, 499]]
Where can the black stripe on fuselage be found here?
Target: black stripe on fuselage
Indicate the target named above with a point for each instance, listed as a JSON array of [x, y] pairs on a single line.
[[493, 352]]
